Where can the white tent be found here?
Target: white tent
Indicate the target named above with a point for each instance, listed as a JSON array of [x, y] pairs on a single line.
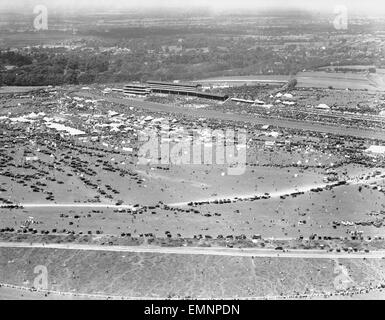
[[376, 149], [323, 106]]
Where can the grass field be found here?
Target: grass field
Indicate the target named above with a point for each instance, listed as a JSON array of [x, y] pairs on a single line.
[[147, 275], [309, 79]]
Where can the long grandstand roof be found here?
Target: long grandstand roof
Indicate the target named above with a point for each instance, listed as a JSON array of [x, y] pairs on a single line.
[[136, 86], [191, 93], [161, 83]]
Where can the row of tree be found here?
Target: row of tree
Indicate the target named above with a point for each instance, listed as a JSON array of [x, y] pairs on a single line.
[[51, 68]]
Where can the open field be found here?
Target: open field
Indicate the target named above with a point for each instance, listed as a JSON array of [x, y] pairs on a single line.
[[194, 276], [346, 80], [24, 293], [281, 218], [241, 80], [309, 79]]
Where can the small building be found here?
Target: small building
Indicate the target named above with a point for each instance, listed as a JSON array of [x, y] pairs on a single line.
[[35, 158], [323, 106]]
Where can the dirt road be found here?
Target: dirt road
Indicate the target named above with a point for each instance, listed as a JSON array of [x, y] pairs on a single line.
[[72, 205], [277, 194], [217, 251]]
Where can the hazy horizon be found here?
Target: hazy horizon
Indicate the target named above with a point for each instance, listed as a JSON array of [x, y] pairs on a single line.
[[215, 6]]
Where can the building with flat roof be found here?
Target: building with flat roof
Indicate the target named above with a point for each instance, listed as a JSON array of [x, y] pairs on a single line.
[[174, 85], [191, 90], [136, 89]]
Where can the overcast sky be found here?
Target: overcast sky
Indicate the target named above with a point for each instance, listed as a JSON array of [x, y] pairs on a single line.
[[355, 6]]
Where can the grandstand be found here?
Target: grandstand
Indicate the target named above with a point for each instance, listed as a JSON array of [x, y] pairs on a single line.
[[192, 90], [136, 89], [183, 89]]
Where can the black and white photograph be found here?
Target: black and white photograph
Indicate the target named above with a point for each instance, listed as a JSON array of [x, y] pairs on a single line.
[[192, 150]]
